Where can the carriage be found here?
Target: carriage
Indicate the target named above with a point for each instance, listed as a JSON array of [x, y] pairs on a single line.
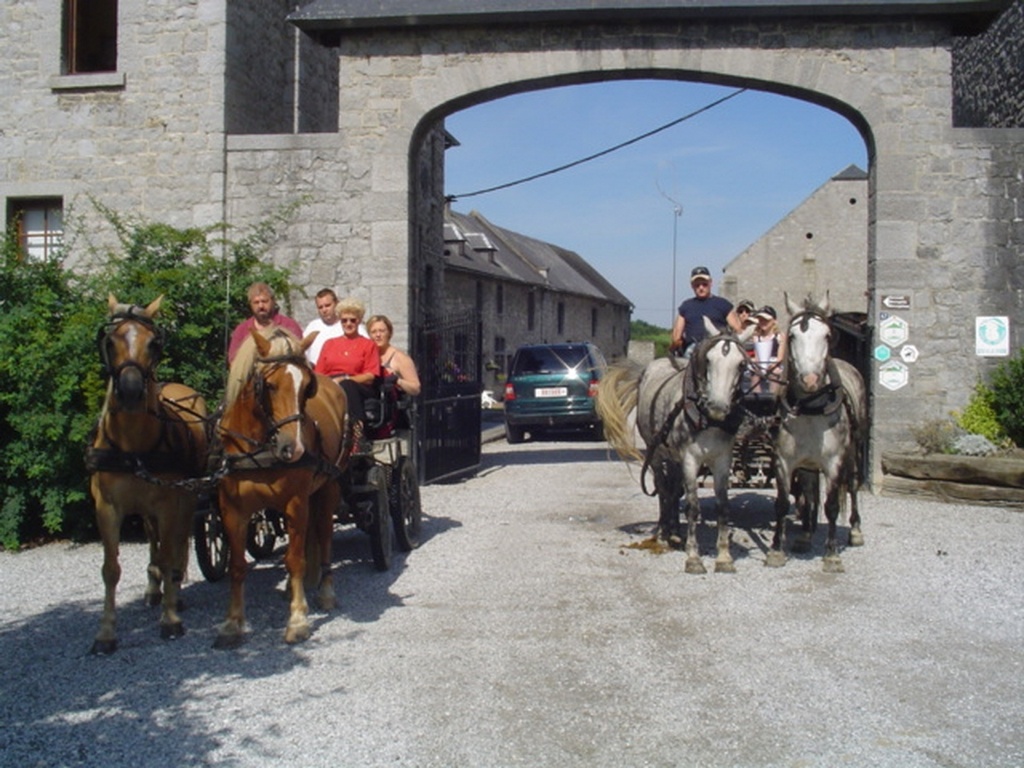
[[380, 495]]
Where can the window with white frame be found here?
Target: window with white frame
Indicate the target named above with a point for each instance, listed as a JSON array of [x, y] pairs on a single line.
[[39, 225]]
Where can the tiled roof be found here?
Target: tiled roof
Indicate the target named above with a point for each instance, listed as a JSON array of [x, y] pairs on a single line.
[[475, 244]]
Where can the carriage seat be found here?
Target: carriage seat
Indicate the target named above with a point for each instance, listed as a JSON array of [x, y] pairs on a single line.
[[387, 410]]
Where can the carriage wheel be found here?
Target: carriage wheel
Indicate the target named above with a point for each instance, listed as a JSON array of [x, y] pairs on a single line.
[[381, 543], [211, 543], [261, 537], [406, 511]]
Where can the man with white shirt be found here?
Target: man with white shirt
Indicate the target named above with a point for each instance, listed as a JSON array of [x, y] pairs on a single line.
[[327, 324]]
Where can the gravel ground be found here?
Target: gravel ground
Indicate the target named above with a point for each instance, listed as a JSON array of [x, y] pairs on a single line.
[[529, 630]]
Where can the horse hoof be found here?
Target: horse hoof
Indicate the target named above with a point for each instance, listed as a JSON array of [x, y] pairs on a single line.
[[172, 631], [328, 602], [227, 642], [103, 647], [856, 538], [725, 567], [833, 565], [775, 559], [297, 634], [675, 541], [695, 566], [154, 599]]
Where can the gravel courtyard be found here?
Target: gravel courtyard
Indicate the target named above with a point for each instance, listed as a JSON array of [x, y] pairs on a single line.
[[532, 629]]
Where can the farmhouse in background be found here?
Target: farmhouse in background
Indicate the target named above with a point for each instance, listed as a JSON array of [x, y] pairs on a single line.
[[820, 245], [526, 291]]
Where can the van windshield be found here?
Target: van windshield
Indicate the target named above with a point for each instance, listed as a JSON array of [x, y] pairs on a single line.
[[550, 360]]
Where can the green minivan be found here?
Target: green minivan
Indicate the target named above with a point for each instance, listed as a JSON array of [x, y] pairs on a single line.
[[551, 387]]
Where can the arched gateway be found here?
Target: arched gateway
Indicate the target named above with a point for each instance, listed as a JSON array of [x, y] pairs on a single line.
[[944, 235]]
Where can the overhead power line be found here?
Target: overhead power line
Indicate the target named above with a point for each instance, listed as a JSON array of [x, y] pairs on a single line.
[[602, 153]]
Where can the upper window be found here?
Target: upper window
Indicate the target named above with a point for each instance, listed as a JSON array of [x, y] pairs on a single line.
[[39, 225], [90, 36]]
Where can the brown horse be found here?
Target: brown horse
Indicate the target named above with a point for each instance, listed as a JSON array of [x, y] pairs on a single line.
[[149, 436], [285, 440]]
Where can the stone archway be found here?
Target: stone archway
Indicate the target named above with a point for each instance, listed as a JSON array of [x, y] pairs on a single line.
[[938, 196]]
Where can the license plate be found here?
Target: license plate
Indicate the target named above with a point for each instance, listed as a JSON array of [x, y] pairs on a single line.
[[550, 392]]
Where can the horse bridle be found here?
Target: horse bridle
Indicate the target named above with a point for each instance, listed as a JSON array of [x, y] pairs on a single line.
[[697, 389], [823, 401], [131, 315], [259, 390]]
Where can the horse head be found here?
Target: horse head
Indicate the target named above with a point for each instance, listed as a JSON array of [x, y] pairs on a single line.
[[718, 365], [808, 343], [130, 346], [282, 382]]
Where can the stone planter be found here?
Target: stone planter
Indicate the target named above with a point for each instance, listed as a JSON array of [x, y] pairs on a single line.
[[991, 481]]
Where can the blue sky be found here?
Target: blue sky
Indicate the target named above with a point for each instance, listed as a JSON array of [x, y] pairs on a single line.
[[735, 170]]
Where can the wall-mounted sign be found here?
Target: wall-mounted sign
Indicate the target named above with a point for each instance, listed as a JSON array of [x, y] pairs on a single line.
[[893, 375], [882, 353], [992, 336], [908, 353], [897, 301], [893, 329]]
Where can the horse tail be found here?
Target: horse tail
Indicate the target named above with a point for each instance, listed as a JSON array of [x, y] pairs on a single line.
[[616, 399]]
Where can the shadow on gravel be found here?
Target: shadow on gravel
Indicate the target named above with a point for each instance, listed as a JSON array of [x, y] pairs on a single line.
[[63, 705], [752, 514]]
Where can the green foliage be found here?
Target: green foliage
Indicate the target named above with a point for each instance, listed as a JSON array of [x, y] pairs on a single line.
[[643, 331], [979, 417], [1007, 388], [51, 385]]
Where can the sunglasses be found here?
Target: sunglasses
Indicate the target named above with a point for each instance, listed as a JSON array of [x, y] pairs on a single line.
[[349, 320]]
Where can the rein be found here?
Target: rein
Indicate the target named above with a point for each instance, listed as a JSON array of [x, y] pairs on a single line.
[[693, 404]]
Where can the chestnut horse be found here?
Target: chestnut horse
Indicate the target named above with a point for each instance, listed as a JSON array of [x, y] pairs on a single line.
[[284, 435], [150, 435]]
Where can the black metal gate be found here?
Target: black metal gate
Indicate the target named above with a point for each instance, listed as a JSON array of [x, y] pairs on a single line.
[[852, 343], [448, 418]]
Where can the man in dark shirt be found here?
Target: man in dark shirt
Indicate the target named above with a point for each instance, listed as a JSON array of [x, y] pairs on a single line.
[[689, 326]]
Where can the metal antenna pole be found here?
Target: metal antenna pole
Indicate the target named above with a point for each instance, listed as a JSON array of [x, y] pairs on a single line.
[[677, 211]]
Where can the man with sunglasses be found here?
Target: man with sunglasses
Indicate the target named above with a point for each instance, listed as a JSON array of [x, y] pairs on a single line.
[[265, 313], [689, 329]]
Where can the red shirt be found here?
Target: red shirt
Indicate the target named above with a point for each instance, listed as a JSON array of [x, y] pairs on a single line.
[[348, 356]]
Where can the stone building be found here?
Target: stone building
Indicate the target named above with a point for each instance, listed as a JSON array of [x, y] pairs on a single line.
[[199, 112], [527, 291], [821, 245]]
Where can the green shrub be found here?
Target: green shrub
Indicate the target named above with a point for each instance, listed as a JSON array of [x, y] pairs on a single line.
[[1007, 387], [643, 331], [51, 385], [979, 417]]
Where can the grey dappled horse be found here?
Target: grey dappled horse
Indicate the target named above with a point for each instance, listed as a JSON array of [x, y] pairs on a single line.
[[822, 418], [687, 418]]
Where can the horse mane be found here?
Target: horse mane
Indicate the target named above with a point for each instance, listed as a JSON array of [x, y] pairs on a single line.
[[283, 343]]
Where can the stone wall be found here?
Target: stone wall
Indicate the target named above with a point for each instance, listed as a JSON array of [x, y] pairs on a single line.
[[277, 79], [988, 74], [146, 139], [822, 245]]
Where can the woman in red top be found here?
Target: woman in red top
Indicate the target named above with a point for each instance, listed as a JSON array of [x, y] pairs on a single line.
[[351, 360]]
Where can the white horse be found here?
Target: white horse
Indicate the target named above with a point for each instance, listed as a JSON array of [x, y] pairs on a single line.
[[687, 418], [823, 414]]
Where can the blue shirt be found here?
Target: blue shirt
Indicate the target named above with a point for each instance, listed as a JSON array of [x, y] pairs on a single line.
[[693, 312]]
